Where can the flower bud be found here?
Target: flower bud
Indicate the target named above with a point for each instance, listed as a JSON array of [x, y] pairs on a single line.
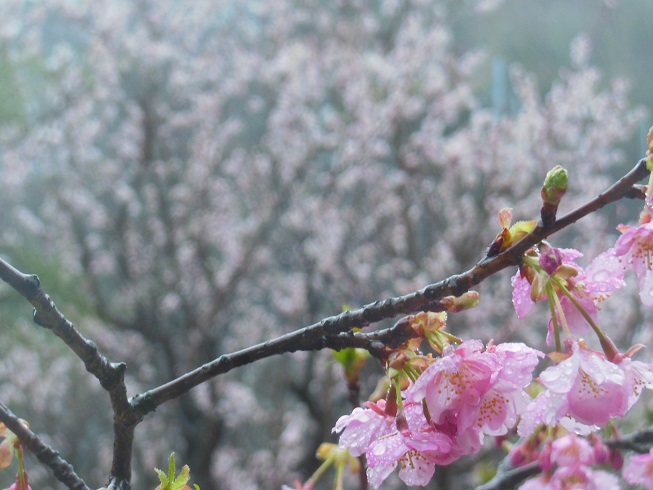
[[555, 186], [465, 301], [352, 360]]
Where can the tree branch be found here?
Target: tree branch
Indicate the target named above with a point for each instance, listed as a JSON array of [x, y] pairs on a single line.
[[63, 471], [48, 316], [331, 331], [110, 375]]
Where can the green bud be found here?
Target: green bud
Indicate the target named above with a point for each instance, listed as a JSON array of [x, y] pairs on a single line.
[[555, 185], [466, 301], [353, 360]]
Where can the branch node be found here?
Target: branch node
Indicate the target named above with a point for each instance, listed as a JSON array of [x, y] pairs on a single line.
[[33, 282], [119, 367], [39, 320]]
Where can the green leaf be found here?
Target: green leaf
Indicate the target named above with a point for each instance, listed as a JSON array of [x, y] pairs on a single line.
[[162, 477], [171, 468], [169, 482], [182, 479]]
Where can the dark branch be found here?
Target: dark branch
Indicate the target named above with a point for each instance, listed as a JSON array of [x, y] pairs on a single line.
[[335, 330], [640, 441], [48, 316], [63, 471], [110, 375]]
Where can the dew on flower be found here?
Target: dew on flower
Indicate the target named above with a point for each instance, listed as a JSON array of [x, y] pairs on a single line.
[[379, 449]]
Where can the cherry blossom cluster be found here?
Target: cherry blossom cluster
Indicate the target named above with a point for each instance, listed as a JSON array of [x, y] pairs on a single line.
[[568, 462], [467, 393], [441, 405]]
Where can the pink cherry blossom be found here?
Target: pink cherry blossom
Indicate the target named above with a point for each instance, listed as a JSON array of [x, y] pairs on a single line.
[[634, 246], [453, 386], [589, 287], [603, 276], [416, 467], [584, 392], [571, 450], [415, 450], [471, 391], [363, 426], [639, 375], [412, 443], [506, 399], [639, 470], [573, 478], [567, 464]]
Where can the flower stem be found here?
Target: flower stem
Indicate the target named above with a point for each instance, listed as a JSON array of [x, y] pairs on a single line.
[[557, 307], [320, 471], [338, 479], [22, 474], [608, 346], [554, 321]]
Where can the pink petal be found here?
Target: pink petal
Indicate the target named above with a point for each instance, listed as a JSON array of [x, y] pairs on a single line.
[[521, 295]]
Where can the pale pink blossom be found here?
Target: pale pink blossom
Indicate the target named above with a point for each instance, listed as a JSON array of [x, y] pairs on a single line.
[[416, 466], [639, 375], [573, 478], [567, 464], [415, 449], [471, 391], [634, 246], [406, 441], [505, 401], [363, 426], [584, 392], [456, 383], [639, 470], [589, 287], [571, 450]]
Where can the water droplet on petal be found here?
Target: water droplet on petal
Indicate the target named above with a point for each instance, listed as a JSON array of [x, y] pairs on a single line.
[[379, 449], [601, 275]]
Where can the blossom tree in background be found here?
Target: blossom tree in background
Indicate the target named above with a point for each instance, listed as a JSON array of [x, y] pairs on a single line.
[[219, 174]]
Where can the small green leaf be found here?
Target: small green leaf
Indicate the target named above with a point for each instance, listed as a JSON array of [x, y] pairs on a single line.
[[171, 468], [182, 479], [162, 476]]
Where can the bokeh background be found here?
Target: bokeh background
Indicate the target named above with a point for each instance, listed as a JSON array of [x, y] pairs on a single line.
[[190, 178]]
